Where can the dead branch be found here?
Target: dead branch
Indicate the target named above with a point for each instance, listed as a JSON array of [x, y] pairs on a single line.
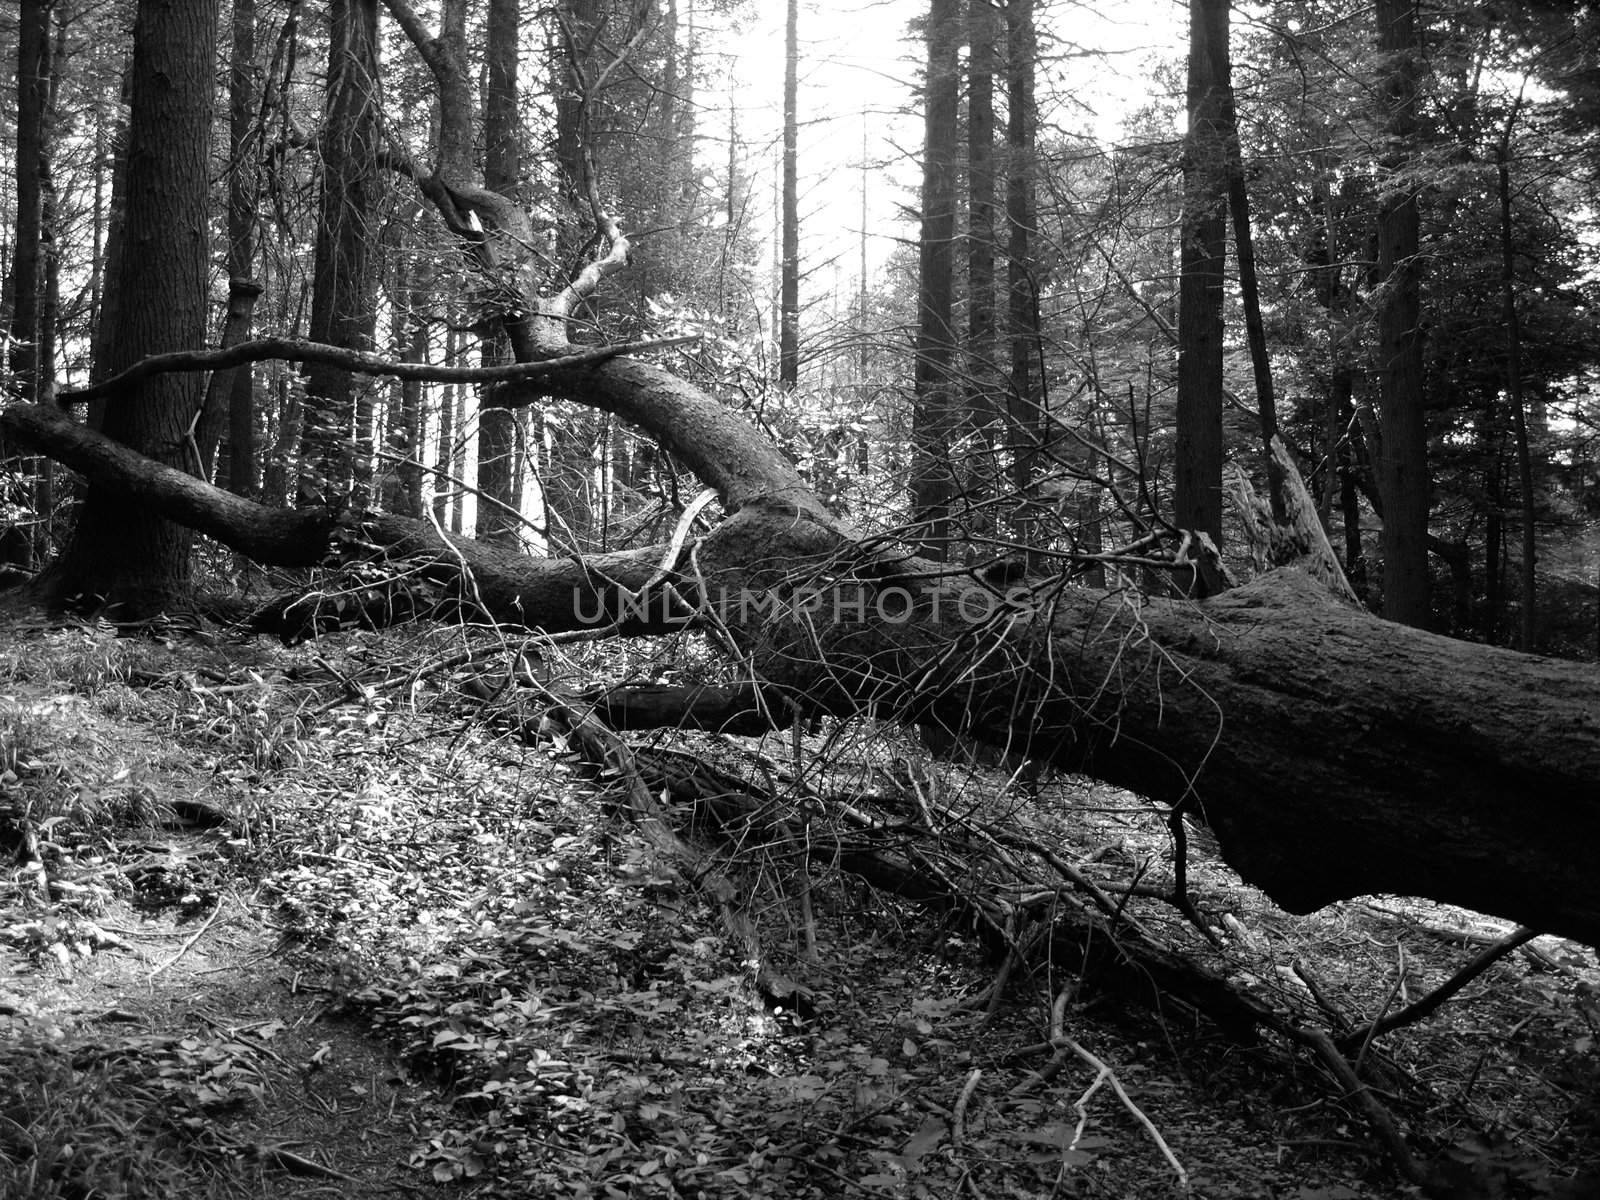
[[1435, 999], [360, 362]]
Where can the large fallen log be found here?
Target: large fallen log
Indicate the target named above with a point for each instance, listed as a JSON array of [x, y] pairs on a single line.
[[1333, 753]]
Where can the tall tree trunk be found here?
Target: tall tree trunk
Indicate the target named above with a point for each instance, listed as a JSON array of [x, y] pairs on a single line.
[[934, 415], [1249, 282], [1197, 469], [789, 281], [344, 291], [25, 286], [982, 392], [1402, 465], [116, 215], [497, 441], [403, 494], [123, 556], [243, 196], [446, 491], [1528, 624], [1025, 396]]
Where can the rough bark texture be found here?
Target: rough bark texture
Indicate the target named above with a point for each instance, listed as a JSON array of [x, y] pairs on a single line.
[[983, 394], [243, 195], [25, 284], [127, 557], [497, 448], [933, 484], [1197, 466], [1022, 308], [1402, 461], [344, 285], [789, 268]]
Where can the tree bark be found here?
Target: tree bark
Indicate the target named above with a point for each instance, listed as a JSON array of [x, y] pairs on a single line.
[[497, 442], [983, 394], [243, 195], [1402, 461], [789, 268], [124, 557], [1025, 398], [1197, 466], [344, 289], [1527, 626], [933, 484], [25, 283]]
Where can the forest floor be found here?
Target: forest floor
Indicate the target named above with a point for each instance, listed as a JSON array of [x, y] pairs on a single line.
[[272, 926]]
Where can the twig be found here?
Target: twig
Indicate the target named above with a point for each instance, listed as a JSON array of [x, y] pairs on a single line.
[[958, 1119], [1377, 1116], [1481, 962], [35, 861], [198, 934], [1063, 1046]]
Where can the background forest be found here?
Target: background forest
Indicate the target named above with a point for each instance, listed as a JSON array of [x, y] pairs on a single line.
[[997, 348]]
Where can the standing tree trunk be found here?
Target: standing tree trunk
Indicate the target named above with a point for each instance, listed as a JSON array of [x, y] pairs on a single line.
[[243, 196], [122, 556], [27, 275], [1197, 488], [934, 416], [25, 285], [497, 434], [1025, 392], [1527, 626], [1402, 464], [344, 291], [983, 400], [789, 278]]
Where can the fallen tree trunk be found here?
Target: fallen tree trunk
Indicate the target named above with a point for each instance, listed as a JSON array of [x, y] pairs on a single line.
[[1333, 753]]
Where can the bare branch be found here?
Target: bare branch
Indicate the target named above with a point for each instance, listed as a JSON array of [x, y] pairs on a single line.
[[360, 362]]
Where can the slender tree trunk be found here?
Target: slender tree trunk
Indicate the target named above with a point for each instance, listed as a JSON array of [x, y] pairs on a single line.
[[1025, 396], [1249, 283], [933, 417], [25, 285], [983, 396], [497, 448], [344, 291], [407, 420], [789, 282], [1402, 465], [27, 274], [243, 197], [445, 488], [1528, 624], [1197, 489], [116, 215], [122, 556]]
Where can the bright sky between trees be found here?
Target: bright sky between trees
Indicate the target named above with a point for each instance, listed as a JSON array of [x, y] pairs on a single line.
[[860, 130]]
